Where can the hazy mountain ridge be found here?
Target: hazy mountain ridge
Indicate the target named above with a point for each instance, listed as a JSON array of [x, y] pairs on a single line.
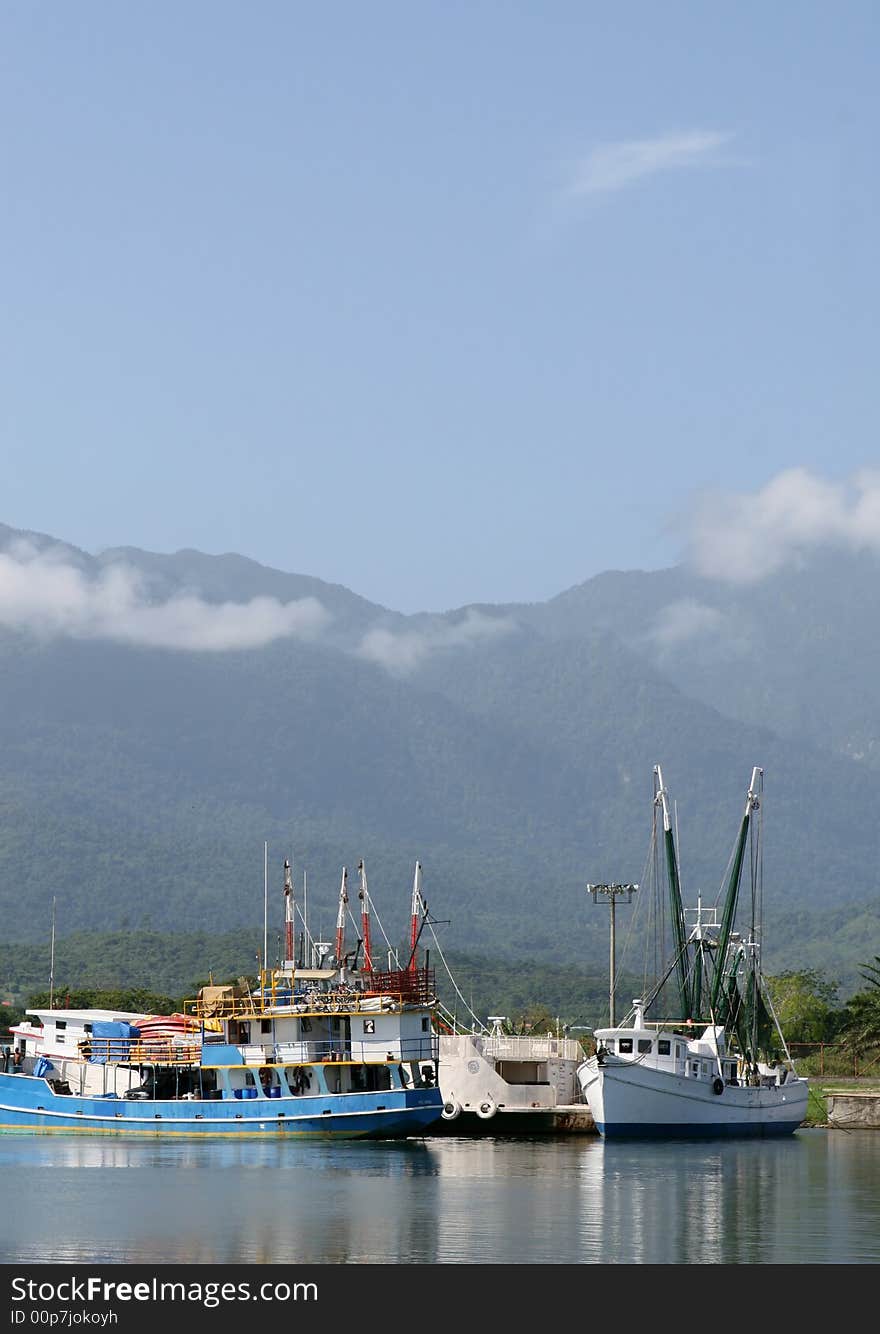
[[513, 756]]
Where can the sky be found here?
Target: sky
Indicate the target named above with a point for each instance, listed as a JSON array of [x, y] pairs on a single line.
[[449, 303]]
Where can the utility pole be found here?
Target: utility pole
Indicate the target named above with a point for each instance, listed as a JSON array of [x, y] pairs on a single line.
[[612, 893]]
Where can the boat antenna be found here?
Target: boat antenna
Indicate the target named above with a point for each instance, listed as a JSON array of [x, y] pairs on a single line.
[[340, 918], [364, 896], [52, 959], [288, 914], [265, 902], [305, 911]]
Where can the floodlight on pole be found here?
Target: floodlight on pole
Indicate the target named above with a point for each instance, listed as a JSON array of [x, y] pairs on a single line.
[[612, 893]]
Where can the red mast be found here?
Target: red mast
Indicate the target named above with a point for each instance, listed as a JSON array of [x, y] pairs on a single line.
[[288, 913], [415, 915], [364, 896], [340, 919]]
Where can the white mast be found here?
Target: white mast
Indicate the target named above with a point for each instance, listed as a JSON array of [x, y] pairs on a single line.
[[288, 913], [340, 918], [52, 960]]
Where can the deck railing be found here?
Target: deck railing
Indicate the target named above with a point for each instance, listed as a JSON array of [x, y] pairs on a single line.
[[307, 1052], [513, 1048], [131, 1051], [279, 1002]]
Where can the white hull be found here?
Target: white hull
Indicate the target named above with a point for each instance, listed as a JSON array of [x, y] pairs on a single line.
[[492, 1077], [629, 1099]]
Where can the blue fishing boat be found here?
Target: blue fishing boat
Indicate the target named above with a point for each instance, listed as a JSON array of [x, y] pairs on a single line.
[[308, 1051]]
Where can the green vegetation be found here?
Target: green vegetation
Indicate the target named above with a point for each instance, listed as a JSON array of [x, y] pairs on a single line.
[[860, 1030], [806, 1005], [152, 971]]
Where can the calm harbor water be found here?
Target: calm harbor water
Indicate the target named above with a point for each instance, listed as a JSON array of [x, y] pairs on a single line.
[[810, 1199]]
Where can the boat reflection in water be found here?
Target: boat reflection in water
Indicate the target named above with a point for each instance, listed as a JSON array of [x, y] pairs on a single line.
[[809, 1198], [193, 1202]]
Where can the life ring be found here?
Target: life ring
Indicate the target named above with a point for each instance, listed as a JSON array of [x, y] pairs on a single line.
[[451, 1109], [717, 1084], [486, 1110]]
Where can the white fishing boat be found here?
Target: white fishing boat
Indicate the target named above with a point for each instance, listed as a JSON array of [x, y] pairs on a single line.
[[722, 1067]]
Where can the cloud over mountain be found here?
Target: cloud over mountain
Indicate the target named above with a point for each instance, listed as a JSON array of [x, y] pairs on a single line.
[[44, 593], [686, 619], [742, 538], [401, 652]]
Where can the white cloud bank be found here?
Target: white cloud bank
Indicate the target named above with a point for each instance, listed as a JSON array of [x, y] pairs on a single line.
[[611, 167], [43, 593], [743, 538], [401, 652]]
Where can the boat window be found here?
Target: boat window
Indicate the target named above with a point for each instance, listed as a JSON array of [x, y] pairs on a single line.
[[626, 1044], [426, 1024], [645, 1044], [87, 1028], [609, 1045], [265, 1025], [664, 1047], [679, 1052], [695, 1067], [59, 1024]]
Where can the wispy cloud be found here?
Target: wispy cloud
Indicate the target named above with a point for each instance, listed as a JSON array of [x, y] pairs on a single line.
[[687, 619], [743, 538], [611, 167], [43, 593], [401, 652]]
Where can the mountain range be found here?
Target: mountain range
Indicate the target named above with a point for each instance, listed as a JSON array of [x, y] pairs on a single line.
[[163, 717]]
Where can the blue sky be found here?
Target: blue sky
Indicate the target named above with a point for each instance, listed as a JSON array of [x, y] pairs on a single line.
[[448, 303]]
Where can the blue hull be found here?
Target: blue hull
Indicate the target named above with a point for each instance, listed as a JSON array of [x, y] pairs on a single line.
[[719, 1131], [28, 1105]]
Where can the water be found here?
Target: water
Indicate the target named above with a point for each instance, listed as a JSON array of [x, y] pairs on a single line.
[[812, 1198]]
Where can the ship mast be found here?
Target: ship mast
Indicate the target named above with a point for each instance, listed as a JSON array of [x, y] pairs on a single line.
[[752, 804], [364, 896], [415, 916], [340, 918], [288, 913], [677, 910]]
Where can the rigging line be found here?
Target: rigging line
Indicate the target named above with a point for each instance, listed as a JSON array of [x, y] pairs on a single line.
[[769, 1000], [633, 917], [665, 978], [726, 876], [391, 948], [309, 938], [477, 1021], [354, 922]]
